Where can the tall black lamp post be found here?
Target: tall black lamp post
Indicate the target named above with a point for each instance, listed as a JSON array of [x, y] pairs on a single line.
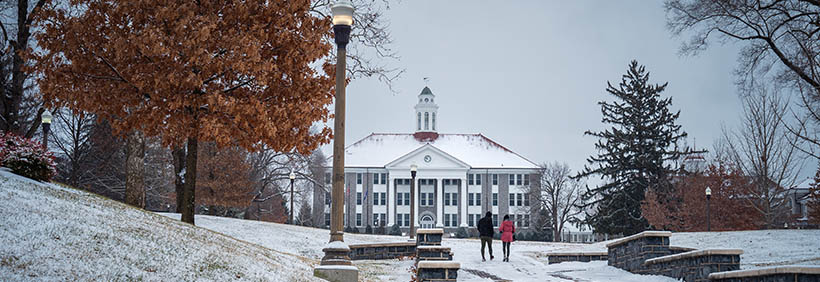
[[292, 177], [708, 197], [336, 251], [46, 120], [413, 169]]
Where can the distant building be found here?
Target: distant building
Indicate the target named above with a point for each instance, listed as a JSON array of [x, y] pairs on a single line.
[[459, 178], [798, 198]]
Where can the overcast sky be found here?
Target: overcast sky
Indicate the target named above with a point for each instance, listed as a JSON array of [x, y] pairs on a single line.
[[528, 74]]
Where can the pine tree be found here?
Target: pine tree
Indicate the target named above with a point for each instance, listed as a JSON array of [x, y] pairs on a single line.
[[634, 153]]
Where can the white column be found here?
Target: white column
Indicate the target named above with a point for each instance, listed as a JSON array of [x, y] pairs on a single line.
[[440, 203], [391, 210], [464, 203]]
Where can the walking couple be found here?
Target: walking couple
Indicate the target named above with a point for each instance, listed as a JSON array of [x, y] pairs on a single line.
[[486, 231]]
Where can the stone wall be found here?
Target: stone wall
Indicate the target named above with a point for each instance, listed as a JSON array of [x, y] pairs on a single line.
[[553, 258], [630, 253], [693, 265], [382, 250], [770, 274]]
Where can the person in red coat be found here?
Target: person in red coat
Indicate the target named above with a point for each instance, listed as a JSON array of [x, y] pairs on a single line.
[[507, 230]]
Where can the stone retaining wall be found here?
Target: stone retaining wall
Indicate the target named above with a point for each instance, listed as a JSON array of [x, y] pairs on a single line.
[[438, 271], [630, 253], [770, 274], [553, 258], [382, 250], [693, 265]]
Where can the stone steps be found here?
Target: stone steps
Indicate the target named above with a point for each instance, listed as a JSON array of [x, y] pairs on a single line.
[[434, 262]]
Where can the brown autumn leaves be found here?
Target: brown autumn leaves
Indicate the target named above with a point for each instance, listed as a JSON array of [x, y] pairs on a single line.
[[236, 73]]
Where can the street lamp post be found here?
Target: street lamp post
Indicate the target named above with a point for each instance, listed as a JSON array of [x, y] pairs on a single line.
[[292, 177], [708, 197], [46, 120], [336, 251], [413, 169]]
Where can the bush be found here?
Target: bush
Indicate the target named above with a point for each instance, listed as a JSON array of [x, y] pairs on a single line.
[[395, 230], [462, 232], [368, 229], [26, 157], [351, 229]]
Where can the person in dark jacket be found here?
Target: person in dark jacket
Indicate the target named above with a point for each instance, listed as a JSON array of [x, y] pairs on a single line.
[[485, 231]]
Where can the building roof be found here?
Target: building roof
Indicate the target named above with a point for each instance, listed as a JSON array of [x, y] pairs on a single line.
[[476, 150], [426, 90]]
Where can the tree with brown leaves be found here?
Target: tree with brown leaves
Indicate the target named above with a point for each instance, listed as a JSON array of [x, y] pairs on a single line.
[[232, 73]]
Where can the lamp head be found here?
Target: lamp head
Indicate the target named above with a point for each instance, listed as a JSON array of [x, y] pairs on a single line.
[[342, 12], [46, 117], [292, 175], [708, 191], [414, 168]]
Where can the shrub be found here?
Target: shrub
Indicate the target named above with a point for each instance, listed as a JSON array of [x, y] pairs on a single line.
[[395, 230], [368, 229], [26, 157], [462, 232]]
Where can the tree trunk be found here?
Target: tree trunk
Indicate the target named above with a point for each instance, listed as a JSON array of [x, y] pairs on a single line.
[[18, 77], [555, 226], [179, 165], [188, 204], [135, 170]]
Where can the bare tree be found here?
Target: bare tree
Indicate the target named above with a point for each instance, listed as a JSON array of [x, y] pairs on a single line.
[[559, 195], [763, 150], [781, 45], [71, 137]]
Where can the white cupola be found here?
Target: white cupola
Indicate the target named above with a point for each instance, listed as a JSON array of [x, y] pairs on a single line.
[[426, 111]]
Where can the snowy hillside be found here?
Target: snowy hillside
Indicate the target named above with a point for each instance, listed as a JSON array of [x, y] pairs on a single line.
[[48, 232]]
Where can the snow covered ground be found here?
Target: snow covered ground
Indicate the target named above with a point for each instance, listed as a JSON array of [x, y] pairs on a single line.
[[49, 232], [52, 233]]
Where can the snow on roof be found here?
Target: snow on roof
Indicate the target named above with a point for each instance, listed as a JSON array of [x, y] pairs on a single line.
[[478, 151]]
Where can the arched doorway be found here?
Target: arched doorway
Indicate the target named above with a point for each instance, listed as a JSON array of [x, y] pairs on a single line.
[[427, 221]]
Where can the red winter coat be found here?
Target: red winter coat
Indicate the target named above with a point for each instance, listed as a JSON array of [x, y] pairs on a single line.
[[507, 229]]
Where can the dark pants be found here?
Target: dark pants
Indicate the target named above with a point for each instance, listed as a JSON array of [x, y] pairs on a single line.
[[505, 247], [489, 242]]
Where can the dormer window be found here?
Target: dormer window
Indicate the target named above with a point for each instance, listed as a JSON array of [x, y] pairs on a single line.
[[426, 100]]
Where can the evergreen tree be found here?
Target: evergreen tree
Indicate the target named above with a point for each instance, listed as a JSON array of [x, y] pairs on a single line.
[[634, 153]]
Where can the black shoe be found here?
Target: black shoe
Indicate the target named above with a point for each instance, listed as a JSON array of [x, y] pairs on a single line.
[[483, 259], [492, 257]]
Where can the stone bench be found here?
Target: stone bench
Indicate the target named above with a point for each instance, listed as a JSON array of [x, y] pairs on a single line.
[[693, 265], [437, 271], [630, 253], [429, 237], [553, 258], [433, 253], [786, 273], [382, 250]]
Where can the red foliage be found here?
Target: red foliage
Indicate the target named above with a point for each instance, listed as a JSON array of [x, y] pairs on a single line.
[[26, 157], [686, 209]]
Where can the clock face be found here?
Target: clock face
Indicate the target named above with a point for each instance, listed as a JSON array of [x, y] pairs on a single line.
[[427, 158]]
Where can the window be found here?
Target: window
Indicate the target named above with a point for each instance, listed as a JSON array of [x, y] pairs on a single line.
[[376, 198], [327, 219], [446, 181], [358, 178], [384, 198], [328, 178], [454, 200], [478, 179], [470, 220], [407, 219], [526, 200], [358, 198], [383, 220], [526, 179], [495, 199], [407, 199], [375, 219], [478, 199], [446, 199], [495, 220], [376, 178], [327, 198], [470, 199], [520, 199], [526, 220], [519, 179], [419, 121], [358, 219], [399, 198], [512, 199], [434, 121], [423, 199], [495, 179], [470, 179], [383, 178], [512, 179], [426, 121], [447, 220]]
